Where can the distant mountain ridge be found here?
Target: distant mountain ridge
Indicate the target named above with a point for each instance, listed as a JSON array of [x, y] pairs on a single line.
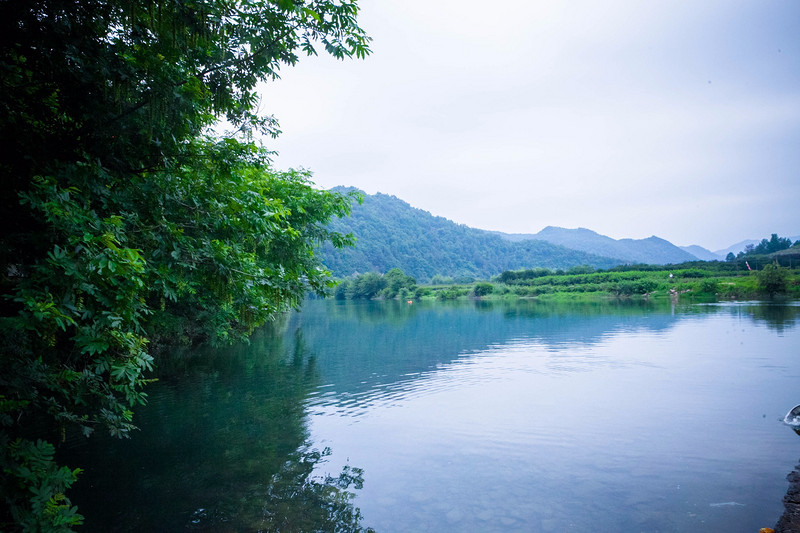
[[652, 250], [391, 233], [702, 253]]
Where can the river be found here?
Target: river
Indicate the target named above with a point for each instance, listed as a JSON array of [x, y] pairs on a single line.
[[466, 416]]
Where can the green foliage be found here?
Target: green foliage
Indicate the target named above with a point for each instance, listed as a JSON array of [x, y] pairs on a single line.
[[422, 292], [773, 280], [367, 286], [438, 279], [512, 276], [692, 273], [581, 269], [393, 284], [398, 285], [127, 224], [709, 286], [482, 289], [452, 293], [29, 467], [343, 289], [774, 244], [718, 279], [235, 248], [776, 249], [630, 287]]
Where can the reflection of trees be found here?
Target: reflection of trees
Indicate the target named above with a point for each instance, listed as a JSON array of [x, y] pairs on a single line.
[[776, 317], [394, 312], [605, 307], [223, 446], [363, 345], [294, 500], [399, 312]]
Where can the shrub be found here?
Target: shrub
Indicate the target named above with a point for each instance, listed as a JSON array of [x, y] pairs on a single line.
[[482, 289], [710, 286], [773, 279]]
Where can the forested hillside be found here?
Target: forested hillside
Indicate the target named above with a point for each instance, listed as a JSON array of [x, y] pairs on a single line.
[[390, 233]]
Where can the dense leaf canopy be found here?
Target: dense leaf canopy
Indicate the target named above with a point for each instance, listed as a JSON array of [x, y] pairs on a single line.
[[127, 221]]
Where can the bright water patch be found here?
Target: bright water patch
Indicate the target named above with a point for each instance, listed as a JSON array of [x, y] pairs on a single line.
[[650, 422]]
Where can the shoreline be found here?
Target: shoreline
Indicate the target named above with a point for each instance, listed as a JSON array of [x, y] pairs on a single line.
[[790, 520]]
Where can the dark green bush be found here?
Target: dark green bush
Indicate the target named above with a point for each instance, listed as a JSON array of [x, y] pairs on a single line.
[[482, 289]]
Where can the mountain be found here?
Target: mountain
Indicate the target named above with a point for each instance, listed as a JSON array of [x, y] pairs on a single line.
[[652, 250], [701, 253], [390, 233]]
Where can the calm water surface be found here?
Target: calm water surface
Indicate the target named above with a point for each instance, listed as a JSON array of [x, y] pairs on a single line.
[[466, 417]]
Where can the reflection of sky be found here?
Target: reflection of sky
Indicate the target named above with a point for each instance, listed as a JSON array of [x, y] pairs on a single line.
[[636, 429]]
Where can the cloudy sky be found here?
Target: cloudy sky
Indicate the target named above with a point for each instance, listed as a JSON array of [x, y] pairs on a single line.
[[672, 118]]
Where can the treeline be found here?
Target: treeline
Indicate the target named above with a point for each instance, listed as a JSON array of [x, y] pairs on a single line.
[[619, 283], [393, 284], [766, 246], [751, 274], [721, 280], [397, 285]]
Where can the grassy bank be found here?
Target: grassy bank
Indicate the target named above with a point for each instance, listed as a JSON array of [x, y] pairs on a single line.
[[692, 283]]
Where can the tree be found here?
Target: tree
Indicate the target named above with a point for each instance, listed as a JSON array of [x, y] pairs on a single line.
[[343, 289], [774, 244], [396, 281], [128, 222], [773, 279], [730, 257], [367, 286], [483, 289]]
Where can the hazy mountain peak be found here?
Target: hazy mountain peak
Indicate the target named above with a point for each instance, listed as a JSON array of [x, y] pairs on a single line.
[[653, 249], [423, 244]]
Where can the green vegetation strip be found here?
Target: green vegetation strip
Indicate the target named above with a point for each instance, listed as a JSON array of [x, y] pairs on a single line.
[[583, 283]]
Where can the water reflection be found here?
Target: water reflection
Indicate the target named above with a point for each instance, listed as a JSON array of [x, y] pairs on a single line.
[[223, 446], [489, 416], [374, 351], [377, 352], [778, 317], [535, 417]]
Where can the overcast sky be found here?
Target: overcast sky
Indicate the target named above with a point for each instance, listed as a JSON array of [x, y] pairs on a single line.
[[679, 119]]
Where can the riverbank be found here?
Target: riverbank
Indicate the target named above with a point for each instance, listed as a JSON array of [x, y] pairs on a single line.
[[693, 284], [696, 282], [790, 521]]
